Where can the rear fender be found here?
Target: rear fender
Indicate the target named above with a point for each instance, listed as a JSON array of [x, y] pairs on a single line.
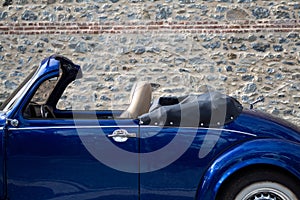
[[277, 153]]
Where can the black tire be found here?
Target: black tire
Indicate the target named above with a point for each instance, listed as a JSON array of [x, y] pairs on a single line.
[[260, 185]]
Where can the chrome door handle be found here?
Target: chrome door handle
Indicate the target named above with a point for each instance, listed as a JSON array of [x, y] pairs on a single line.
[[121, 135]]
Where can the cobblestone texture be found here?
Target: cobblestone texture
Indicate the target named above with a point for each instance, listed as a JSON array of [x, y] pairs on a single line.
[[245, 64]]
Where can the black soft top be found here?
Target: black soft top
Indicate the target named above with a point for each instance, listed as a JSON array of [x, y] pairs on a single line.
[[211, 109]]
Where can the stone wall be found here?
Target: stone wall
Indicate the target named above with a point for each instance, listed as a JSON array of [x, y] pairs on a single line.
[[245, 48]]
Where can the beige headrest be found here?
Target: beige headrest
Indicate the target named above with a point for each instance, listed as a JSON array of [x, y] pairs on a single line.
[[140, 100]]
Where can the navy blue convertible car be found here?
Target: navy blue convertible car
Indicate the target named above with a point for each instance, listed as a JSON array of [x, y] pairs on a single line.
[[194, 147]]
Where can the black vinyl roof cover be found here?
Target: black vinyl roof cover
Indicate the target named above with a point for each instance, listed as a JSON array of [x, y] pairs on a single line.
[[211, 109]]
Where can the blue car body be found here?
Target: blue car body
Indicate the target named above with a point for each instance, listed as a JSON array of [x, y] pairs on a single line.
[[68, 158]]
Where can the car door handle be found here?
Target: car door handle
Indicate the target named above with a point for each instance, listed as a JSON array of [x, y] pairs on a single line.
[[121, 135]]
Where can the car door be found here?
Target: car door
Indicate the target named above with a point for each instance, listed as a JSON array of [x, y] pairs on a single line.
[[173, 160], [72, 159]]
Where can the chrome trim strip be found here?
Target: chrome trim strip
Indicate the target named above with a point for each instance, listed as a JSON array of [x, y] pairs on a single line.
[[123, 126], [235, 131], [215, 129]]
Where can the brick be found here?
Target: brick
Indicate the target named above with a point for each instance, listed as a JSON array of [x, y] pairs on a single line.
[[141, 27], [4, 28], [107, 27]]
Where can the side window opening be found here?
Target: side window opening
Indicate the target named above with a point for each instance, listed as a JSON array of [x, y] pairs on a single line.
[[43, 92], [87, 101], [37, 107]]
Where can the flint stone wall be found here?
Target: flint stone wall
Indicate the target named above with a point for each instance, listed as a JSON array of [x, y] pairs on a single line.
[[244, 48]]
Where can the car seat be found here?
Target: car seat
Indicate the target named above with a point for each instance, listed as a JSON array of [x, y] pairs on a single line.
[[140, 100]]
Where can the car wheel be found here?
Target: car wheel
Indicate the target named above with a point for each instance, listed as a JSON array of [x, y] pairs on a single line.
[[260, 185]]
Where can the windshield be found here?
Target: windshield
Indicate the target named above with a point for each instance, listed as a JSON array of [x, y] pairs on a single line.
[[13, 94]]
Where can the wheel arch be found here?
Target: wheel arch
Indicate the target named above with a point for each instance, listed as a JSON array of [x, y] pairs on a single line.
[[277, 155], [254, 168]]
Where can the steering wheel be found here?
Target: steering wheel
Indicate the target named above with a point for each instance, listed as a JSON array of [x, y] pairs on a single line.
[[47, 111]]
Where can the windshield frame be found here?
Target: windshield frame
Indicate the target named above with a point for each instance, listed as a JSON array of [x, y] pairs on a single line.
[[50, 66], [7, 104]]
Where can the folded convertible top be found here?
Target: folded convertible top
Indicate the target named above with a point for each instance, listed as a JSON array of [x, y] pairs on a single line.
[[211, 109]]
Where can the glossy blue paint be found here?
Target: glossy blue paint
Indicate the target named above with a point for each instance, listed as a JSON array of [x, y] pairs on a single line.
[[265, 125], [52, 162], [75, 157], [180, 179], [272, 152]]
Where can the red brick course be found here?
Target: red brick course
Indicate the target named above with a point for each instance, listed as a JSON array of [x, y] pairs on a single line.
[[32, 28]]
